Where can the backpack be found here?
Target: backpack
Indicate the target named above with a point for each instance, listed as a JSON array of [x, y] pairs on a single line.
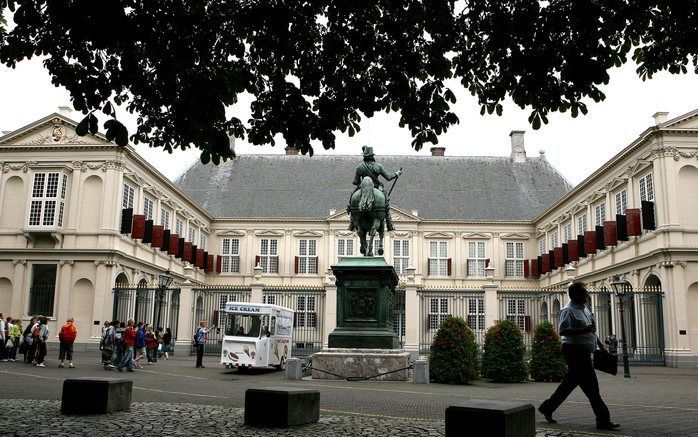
[[67, 334], [35, 331]]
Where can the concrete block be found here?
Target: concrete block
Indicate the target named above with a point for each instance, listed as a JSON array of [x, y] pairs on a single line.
[[294, 369], [281, 407], [96, 395], [420, 373], [362, 363], [491, 418]]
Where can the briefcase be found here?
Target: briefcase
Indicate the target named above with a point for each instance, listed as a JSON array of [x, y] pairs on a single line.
[[605, 361]]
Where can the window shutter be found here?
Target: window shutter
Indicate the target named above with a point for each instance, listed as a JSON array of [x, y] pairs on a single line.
[[295, 320], [621, 228], [317, 265], [600, 244], [219, 264], [648, 215], [256, 260], [466, 267], [296, 265], [448, 264], [138, 228], [487, 262], [610, 229], [527, 323], [525, 267], [632, 216], [126, 220], [428, 266], [148, 236]]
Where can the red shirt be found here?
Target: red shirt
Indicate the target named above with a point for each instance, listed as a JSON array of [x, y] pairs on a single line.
[[129, 337]]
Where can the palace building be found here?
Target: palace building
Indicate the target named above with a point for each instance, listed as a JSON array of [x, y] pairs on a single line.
[[88, 230]]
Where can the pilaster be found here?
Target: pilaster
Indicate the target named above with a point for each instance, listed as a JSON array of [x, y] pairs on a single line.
[[412, 318], [330, 307]]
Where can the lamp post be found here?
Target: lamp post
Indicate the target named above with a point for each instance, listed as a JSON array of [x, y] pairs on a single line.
[[164, 281], [619, 286]]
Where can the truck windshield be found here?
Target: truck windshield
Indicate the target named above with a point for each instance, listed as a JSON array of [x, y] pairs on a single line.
[[243, 325]]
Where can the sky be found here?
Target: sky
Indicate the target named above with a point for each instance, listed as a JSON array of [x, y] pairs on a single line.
[[576, 147]]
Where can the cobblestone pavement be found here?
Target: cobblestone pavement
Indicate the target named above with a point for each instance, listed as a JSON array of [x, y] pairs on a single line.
[[654, 402], [20, 418]]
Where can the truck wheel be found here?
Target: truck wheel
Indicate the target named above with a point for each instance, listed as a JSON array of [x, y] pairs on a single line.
[[281, 365]]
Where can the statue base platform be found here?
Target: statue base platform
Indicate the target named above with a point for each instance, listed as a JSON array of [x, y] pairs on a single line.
[[361, 363]]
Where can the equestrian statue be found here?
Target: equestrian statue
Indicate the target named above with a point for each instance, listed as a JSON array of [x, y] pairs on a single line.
[[369, 206]]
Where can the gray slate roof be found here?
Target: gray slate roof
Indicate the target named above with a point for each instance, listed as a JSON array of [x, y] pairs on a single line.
[[446, 188]]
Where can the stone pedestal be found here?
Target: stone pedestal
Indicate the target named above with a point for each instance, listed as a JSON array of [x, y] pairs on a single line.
[[365, 293], [96, 395], [281, 407], [491, 418], [361, 363]]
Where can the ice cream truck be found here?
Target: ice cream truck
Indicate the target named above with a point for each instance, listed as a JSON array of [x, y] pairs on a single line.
[[256, 335]]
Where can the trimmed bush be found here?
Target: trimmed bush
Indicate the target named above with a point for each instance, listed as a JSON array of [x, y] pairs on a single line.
[[503, 359], [453, 357], [547, 363]]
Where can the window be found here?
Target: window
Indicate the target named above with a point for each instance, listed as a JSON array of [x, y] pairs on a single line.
[[514, 260], [47, 206], [305, 316], [646, 188], [230, 253], [179, 227], [621, 202], [268, 255], [202, 241], [129, 193], [438, 310], [567, 232], [165, 218], [600, 213], [401, 256], [41, 293], [554, 240], [476, 313], [345, 247], [438, 258], [306, 261], [148, 207], [476, 258], [541, 246], [581, 224], [192, 233], [516, 312]]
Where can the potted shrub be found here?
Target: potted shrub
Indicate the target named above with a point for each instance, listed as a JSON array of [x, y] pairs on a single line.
[[547, 363], [503, 358], [453, 357]]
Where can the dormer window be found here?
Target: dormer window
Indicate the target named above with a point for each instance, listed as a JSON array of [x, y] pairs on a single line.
[[47, 204]]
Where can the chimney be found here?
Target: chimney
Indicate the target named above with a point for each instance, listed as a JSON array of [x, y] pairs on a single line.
[[660, 117], [65, 111], [290, 150], [438, 151], [518, 151]]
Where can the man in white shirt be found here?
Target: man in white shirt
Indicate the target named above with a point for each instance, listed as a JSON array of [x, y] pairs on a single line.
[[578, 330]]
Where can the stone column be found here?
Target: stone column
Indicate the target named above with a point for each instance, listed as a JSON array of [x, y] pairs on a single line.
[[63, 291], [330, 307], [412, 316], [185, 327], [257, 286], [20, 303], [491, 303]]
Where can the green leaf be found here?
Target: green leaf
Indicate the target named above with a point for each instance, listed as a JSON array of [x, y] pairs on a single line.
[[205, 157], [121, 135], [536, 122], [81, 128], [93, 126]]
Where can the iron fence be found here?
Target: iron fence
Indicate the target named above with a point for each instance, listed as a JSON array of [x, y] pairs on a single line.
[[309, 316], [152, 305], [436, 305], [41, 299], [209, 305]]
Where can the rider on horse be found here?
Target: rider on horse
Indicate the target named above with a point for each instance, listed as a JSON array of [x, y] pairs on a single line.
[[373, 169]]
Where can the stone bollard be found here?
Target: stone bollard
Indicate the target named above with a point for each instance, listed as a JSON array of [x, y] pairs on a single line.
[[421, 371], [491, 418], [294, 369], [96, 395], [281, 407]]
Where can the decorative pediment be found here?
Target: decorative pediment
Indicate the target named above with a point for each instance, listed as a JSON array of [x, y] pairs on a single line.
[[305, 233], [579, 207], [54, 130], [615, 183], [345, 233], [269, 233], [685, 121], [516, 236], [400, 215], [439, 235], [595, 197], [338, 216], [638, 166], [230, 233], [476, 236]]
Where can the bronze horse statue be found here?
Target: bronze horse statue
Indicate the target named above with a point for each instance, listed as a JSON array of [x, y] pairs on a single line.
[[368, 209]]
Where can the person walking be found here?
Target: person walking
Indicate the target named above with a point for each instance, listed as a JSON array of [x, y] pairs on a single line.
[[140, 345], [66, 337], [612, 343], [108, 345], [15, 338], [129, 340], [40, 335], [167, 343], [578, 330], [151, 344], [3, 337], [200, 338], [119, 341], [159, 333], [6, 344]]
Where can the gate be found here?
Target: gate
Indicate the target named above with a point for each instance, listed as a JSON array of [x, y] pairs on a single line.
[[309, 317], [155, 306], [209, 305]]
